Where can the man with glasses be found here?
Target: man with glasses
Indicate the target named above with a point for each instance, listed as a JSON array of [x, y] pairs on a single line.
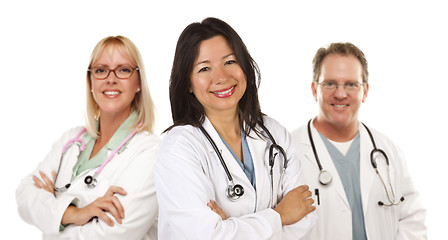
[[362, 187]]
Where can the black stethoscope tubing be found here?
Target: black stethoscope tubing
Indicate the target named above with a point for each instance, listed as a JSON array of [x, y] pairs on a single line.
[[324, 176], [234, 191], [372, 161], [221, 159]]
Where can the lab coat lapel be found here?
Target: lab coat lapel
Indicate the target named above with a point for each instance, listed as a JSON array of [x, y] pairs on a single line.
[[370, 181], [367, 172], [327, 164], [258, 150], [234, 168]]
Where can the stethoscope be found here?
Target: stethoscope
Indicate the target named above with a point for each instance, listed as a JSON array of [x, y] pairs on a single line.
[[89, 180], [325, 177], [235, 191]]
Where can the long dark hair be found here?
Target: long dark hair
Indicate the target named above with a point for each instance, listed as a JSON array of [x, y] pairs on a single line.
[[185, 108]]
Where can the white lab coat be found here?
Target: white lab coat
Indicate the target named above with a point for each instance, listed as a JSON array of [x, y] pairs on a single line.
[[188, 175], [405, 221], [132, 170]]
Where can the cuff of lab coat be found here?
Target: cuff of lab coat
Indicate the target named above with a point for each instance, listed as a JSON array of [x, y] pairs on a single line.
[[63, 202], [62, 226], [274, 218]]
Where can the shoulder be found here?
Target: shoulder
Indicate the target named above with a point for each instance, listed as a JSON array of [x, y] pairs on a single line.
[[72, 132], [147, 137], [181, 147], [271, 122], [378, 136], [277, 130], [274, 127], [299, 132], [181, 137], [145, 141]]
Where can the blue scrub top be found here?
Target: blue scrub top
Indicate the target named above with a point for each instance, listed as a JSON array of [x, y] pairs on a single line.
[[248, 165]]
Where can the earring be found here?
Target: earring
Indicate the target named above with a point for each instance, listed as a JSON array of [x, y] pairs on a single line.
[[138, 89], [91, 90]]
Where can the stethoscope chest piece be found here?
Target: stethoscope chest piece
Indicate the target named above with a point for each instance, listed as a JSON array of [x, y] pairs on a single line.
[[325, 177], [90, 181], [235, 191]]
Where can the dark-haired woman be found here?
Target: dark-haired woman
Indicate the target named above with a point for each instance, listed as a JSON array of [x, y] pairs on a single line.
[[213, 174]]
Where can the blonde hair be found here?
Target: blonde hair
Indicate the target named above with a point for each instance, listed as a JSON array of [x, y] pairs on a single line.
[[142, 102]]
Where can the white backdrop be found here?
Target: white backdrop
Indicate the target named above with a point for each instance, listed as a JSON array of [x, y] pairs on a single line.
[[45, 48]]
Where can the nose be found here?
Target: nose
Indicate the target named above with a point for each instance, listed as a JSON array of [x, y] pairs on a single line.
[[112, 77], [340, 92], [220, 75]]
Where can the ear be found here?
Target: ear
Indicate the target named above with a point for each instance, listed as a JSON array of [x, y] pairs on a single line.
[[314, 90], [366, 90]]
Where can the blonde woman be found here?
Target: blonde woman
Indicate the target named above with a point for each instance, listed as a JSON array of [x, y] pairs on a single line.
[[97, 181]]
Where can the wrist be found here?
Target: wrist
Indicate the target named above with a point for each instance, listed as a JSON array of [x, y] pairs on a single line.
[[67, 217]]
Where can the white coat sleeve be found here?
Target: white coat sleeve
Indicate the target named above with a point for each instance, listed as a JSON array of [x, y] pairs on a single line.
[[412, 213], [140, 203], [39, 207]]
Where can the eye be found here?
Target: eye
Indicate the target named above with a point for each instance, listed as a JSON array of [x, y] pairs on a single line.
[[329, 84], [352, 84], [99, 70], [125, 69], [230, 62], [203, 69]]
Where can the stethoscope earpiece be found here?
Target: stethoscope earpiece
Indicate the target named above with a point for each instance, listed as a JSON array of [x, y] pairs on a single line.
[[381, 203]]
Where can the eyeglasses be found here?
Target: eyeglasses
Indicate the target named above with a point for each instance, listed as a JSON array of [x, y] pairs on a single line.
[[348, 86], [121, 72]]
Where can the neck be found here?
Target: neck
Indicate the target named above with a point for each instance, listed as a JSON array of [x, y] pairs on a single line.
[[109, 124], [227, 125], [334, 132]]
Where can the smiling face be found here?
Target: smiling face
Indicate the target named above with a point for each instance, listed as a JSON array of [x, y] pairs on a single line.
[[217, 80], [114, 96], [338, 108]]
